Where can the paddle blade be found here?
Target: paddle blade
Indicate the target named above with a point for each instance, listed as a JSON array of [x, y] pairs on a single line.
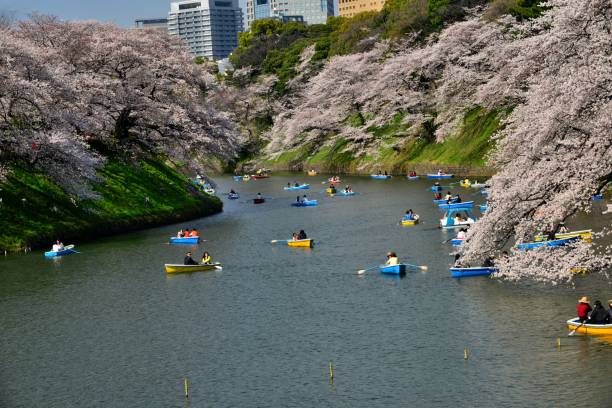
[[572, 332], [69, 246], [423, 268], [219, 268], [361, 272], [274, 241]]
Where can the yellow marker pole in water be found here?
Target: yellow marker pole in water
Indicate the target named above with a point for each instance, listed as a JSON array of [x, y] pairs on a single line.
[[559, 342], [466, 353], [331, 372], [186, 387]]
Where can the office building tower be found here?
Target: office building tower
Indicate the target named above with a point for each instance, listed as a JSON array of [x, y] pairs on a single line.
[[209, 28], [348, 8], [309, 11], [154, 23]]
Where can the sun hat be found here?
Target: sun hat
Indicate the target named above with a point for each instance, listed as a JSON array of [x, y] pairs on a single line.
[[583, 299]]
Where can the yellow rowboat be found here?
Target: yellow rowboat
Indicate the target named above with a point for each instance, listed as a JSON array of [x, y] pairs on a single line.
[[579, 270], [331, 191], [301, 243], [312, 172], [590, 329], [585, 235], [413, 221], [179, 268]]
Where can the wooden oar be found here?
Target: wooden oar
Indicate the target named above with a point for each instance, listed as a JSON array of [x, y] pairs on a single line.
[[362, 271], [274, 241], [579, 326], [421, 267]]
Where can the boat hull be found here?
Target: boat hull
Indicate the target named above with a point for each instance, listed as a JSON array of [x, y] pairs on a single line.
[[553, 243], [309, 203], [457, 206], [185, 240], [412, 177], [380, 176], [301, 243], [178, 268], [302, 187], [585, 235], [259, 200], [456, 224], [55, 254], [411, 222], [482, 207], [256, 177], [393, 269], [469, 272], [590, 329], [457, 241], [344, 193], [442, 201], [233, 196], [439, 176]]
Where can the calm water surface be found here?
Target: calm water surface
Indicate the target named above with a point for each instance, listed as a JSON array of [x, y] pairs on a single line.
[[108, 328]]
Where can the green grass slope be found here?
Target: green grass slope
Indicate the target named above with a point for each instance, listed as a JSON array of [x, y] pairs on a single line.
[[35, 211]]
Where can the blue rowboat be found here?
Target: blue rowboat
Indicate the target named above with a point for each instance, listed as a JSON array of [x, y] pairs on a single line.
[[393, 269], [233, 196], [597, 197], [412, 177], [237, 178], [552, 243], [184, 240], [344, 193], [457, 241], [439, 176], [443, 201], [307, 203], [380, 176], [302, 187], [436, 188], [475, 271], [457, 206], [482, 207], [53, 254]]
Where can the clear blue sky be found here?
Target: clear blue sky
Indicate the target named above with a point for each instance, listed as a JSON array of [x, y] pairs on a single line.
[[121, 12]]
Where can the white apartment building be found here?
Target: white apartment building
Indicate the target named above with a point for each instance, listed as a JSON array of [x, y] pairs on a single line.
[[209, 28], [309, 11]]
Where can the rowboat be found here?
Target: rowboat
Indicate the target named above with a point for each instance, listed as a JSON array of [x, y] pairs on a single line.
[[462, 184], [312, 172], [301, 243], [210, 191], [436, 188], [259, 176], [477, 185], [63, 252], [331, 191], [331, 180], [439, 176], [233, 196], [345, 193], [259, 200], [180, 268], [455, 223], [300, 187], [589, 329], [185, 240], [443, 201], [393, 269], [482, 207], [413, 221], [305, 203], [457, 206], [585, 235], [597, 197], [553, 243], [412, 177], [380, 176], [474, 271], [457, 241]]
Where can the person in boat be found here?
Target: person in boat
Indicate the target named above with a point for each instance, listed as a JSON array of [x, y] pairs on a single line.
[[288, 185], [437, 196], [458, 263], [466, 181], [458, 218], [412, 174], [189, 260], [440, 172], [462, 233], [297, 184], [409, 215], [232, 192], [392, 259], [386, 174], [437, 184], [448, 197], [609, 311], [489, 262], [187, 233], [583, 309], [302, 235], [304, 198], [259, 196], [180, 233], [332, 189], [206, 259], [457, 199], [298, 199], [294, 236], [562, 228], [599, 315], [58, 246], [194, 233]]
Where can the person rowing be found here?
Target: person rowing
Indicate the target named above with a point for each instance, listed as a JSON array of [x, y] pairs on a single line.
[[392, 259], [448, 197], [332, 189], [302, 235], [194, 233], [462, 233], [189, 260], [298, 199], [437, 196], [58, 246], [599, 315], [297, 184], [409, 215], [583, 309]]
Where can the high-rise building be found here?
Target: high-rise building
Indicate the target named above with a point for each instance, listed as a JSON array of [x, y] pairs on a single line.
[[348, 8], [209, 28], [309, 11], [154, 23]]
